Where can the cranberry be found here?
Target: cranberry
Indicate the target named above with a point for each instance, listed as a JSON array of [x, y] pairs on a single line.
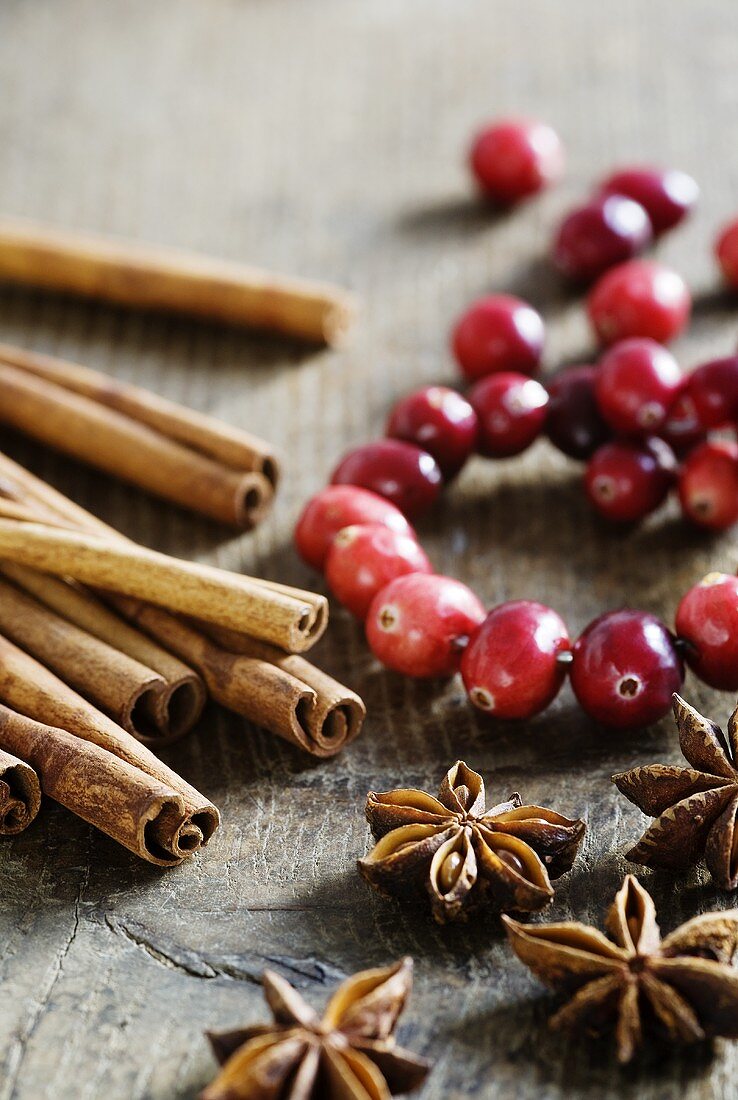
[[625, 669], [625, 481], [510, 667], [713, 390], [419, 623], [399, 472], [574, 422], [336, 507], [515, 158], [708, 485], [498, 333], [440, 421], [511, 410], [667, 195], [639, 298], [637, 383], [683, 429], [366, 557], [604, 232], [726, 250], [707, 618]]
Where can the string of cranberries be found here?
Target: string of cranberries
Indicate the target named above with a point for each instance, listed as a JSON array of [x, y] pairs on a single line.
[[641, 426]]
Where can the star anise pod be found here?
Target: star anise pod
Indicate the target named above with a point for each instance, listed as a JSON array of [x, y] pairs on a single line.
[[347, 1054], [462, 855], [680, 989], [696, 807]]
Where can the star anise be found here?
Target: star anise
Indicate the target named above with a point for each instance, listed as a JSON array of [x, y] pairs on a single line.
[[679, 989], [696, 807], [462, 855], [348, 1054]]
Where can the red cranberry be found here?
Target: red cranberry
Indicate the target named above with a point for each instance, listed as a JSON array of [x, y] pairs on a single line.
[[626, 669], [336, 507], [726, 250], [399, 472], [707, 618], [667, 195], [498, 333], [604, 232], [440, 421], [574, 422], [713, 389], [637, 383], [366, 557], [683, 430], [639, 298], [510, 667], [625, 481], [515, 158], [708, 485], [511, 410], [418, 624]]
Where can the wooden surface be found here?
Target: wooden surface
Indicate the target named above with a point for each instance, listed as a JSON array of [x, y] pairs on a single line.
[[325, 137]]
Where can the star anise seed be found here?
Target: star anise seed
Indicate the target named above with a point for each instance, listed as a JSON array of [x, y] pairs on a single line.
[[463, 855], [681, 989]]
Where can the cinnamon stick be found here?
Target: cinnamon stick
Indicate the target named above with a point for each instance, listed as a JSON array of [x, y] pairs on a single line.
[[20, 794], [152, 277], [140, 812], [28, 687]]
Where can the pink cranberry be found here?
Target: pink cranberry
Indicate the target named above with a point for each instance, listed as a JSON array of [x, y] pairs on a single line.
[[511, 667], [707, 619], [366, 557], [515, 158], [399, 472], [713, 390], [498, 333], [419, 623], [574, 422], [511, 410], [599, 235], [336, 507], [625, 481], [708, 485], [667, 195], [440, 421], [626, 669], [637, 382], [639, 298], [683, 430], [726, 250]]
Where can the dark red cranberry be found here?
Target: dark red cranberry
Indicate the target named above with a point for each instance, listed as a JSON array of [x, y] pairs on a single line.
[[515, 158], [574, 422], [707, 618], [625, 481], [336, 507], [511, 666], [708, 485], [440, 421], [419, 623], [498, 333], [625, 669], [603, 233], [637, 383], [713, 390], [400, 472], [682, 430], [364, 558], [666, 194], [726, 250], [639, 298], [511, 410]]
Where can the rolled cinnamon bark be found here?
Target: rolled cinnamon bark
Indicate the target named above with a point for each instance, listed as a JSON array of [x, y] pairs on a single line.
[[166, 279], [20, 794], [29, 688], [128, 448], [145, 815]]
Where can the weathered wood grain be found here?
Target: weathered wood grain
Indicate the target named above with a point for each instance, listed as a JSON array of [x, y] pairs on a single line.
[[326, 138]]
